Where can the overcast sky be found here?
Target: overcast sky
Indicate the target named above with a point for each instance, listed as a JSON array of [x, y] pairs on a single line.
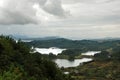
[[74, 19]]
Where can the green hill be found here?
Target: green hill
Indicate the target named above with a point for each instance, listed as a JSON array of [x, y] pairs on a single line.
[[77, 44], [17, 63]]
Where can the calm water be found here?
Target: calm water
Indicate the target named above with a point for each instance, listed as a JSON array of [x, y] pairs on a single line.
[[66, 63], [76, 62], [91, 53], [53, 50]]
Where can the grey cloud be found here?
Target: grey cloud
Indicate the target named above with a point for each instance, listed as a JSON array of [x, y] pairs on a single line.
[[22, 11], [87, 1], [76, 32], [89, 18], [8, 17], [54, 7], [70, 1]]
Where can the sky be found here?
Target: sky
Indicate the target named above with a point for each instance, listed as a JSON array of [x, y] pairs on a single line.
[[73, 19]]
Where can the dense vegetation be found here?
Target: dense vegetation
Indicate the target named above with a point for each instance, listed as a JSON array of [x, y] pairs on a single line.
[[76, 47], [83, 45], [97, 70], [106, 66], [17, 63]]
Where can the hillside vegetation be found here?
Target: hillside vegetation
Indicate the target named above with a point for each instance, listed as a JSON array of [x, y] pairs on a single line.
[[17, 63], [76, 47], [106, 66], [85, 45]]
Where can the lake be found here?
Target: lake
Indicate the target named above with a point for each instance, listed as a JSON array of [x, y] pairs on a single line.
[[64, 62], [53, 50], [67, 63], [91, 53]]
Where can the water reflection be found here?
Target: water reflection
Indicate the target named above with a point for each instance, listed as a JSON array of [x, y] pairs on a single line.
[[67, 63]]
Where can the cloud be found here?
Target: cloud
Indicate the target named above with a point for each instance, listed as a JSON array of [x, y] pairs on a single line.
[[9, 17], [23, 11], [76, 32], [86, 1], [55, 8], [88, 18]]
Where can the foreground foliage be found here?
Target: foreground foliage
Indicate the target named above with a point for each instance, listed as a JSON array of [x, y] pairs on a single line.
[[17, 63]]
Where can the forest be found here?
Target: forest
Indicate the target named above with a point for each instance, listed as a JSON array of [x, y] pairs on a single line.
[[84, 45], [76, 47], [105, 65], [17, 62]]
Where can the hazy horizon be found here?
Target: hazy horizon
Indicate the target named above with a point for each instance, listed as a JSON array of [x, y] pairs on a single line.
[[57, 37], [72, 19]]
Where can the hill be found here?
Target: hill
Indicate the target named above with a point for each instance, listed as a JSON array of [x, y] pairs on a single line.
[[86, 45], [17, 63]]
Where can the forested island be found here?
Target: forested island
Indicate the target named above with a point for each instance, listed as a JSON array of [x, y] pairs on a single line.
[[18, 62]]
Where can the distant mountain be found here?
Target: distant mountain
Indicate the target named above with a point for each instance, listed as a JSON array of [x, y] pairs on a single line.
[[85, 45], [18, 36], [23, 37], [59, 38], [43, 38], [106, 39]]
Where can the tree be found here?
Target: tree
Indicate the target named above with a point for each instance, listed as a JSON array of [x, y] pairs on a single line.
[[103, 56]]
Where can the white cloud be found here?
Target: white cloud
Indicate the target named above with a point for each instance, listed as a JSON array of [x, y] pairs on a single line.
[[104, 9]]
